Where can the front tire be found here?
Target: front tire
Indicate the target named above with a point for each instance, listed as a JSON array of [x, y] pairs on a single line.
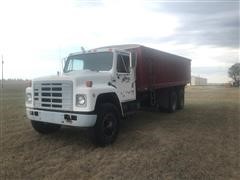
[[107, 125], [45, 128]]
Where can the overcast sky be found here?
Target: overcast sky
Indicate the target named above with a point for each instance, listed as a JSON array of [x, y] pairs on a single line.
[[36, 35]]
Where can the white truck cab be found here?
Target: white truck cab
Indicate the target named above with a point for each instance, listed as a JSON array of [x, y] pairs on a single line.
[[90, 93]]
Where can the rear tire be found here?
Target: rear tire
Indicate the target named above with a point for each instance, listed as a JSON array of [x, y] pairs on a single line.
[[107, 125], [180, 99], [172, 105], [45, 128]]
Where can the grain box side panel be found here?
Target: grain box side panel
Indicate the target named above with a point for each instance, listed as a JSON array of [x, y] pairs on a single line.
[[164, 69]]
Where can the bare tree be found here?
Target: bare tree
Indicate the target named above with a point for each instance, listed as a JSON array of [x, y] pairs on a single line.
[[234, 73]]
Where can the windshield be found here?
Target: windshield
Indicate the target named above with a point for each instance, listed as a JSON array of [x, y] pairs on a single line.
[[101, 61]]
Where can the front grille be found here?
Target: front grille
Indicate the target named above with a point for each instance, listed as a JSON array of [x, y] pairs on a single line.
[[49, 95]]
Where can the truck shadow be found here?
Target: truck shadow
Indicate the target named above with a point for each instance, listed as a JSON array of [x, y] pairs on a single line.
[[73, 136], [147, 120], [83, 136]]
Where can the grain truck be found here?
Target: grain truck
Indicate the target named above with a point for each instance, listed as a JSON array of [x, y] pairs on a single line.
[[102, 86]]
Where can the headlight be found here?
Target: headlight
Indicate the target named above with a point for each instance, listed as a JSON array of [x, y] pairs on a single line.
[[81, 100], [29, 98]]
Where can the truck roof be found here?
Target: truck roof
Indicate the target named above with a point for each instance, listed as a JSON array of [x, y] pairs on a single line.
[[106, 48], [126, 47]]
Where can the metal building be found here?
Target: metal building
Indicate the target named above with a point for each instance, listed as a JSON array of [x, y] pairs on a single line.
[[198, 81]]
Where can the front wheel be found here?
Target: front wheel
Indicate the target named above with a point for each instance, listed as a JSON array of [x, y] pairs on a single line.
[[107, 125], [45, 128]]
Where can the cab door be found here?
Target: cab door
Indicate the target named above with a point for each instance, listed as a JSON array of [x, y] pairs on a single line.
[[125, 77]]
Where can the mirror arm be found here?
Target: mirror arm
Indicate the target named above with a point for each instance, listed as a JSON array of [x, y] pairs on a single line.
[[130, 58]]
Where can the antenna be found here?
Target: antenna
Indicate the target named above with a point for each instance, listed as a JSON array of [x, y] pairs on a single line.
[[59, 56], [83, 50]]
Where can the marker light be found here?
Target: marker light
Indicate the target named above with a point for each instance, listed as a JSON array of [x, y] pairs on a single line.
[[88, 83]]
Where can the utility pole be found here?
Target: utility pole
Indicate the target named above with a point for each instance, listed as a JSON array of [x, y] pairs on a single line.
[[2, 71]]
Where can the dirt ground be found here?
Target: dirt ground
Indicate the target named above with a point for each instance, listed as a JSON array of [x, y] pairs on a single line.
[[199, 142]]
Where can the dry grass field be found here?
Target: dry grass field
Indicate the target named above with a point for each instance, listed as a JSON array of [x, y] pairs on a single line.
[[199, 142]]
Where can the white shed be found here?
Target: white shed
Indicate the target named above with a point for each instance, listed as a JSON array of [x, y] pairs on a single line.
[[198, 81]]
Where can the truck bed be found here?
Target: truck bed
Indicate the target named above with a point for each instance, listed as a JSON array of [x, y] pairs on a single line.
[[157, 69]]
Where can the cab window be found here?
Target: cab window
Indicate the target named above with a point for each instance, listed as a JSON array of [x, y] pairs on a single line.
[[123, 63]]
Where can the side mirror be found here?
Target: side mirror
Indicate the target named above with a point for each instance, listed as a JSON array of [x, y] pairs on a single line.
[[130, 58], [64, 60]]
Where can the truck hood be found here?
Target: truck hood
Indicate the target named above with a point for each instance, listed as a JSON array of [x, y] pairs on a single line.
[[79, 77]]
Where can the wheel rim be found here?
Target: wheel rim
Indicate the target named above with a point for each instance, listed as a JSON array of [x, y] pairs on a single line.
[[109, 125]]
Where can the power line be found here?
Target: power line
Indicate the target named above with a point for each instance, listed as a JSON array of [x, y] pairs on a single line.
[[2, 71]]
